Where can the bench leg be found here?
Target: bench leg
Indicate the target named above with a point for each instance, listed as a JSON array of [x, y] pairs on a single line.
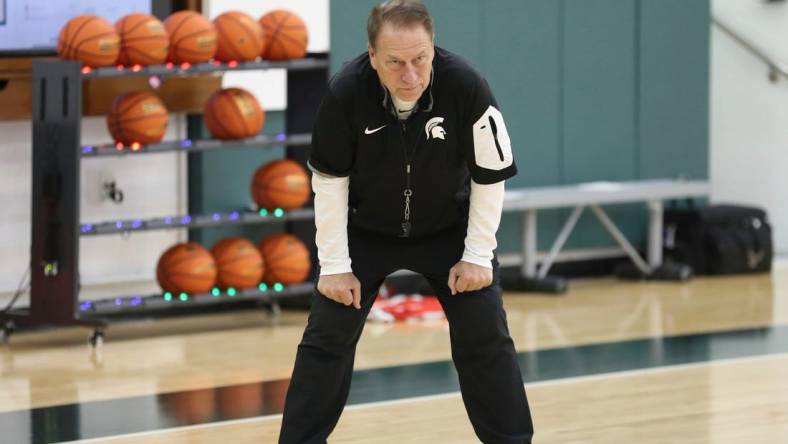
[[529, 244], [622, 240], [528, 280], [655, 234], [559, 242]]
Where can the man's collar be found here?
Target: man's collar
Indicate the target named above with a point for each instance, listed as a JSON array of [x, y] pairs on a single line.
[[424, 103]]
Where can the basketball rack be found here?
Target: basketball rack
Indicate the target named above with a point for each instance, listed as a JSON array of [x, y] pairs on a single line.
[[56, 226]]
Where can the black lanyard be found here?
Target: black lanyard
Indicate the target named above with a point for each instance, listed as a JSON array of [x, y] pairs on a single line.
[[408, 192]]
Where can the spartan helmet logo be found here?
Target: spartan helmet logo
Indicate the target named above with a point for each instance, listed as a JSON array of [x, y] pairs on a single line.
[[434, 130]]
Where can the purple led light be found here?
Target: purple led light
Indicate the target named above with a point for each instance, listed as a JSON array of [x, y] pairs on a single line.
[[136, 300], [119, 224], [87, 149], [235, 215], [154, 81], [86, 228], [136, 224], [281, 137], [85, 306], [168, 220], [118, 301], [186, 143], [186, 219], [217, 216]]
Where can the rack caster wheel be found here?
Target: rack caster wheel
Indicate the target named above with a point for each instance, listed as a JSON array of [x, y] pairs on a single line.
[[97, 338], [8, 330]]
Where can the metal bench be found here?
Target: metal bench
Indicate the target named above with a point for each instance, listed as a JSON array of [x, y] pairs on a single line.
[[593, 195]]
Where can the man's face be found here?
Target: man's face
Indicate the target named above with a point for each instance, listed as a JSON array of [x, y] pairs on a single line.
[[403, 59]]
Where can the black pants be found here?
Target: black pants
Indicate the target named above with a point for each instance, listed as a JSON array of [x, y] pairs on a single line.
[[483, 353]]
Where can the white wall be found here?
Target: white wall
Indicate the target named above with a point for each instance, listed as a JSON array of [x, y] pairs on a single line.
[[152, 186], [749, 114], [270, 87]]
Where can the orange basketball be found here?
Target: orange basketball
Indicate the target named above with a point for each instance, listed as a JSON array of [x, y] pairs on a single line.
[[274, 394], [89, 39], [186, 267], [192, 37], [240, 37], [286, 259], [241, 401], [192, 406], [239, 263], [280, 184], [233, 113], [284, 35], [143, 40], [137, 117]]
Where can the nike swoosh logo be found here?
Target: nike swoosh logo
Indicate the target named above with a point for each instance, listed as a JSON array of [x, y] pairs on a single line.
[[369, 131]]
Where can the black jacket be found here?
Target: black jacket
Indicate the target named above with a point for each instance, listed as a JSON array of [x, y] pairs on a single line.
[[456, 133]]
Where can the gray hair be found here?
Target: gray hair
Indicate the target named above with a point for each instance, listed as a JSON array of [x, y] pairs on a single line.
[[401, 14]]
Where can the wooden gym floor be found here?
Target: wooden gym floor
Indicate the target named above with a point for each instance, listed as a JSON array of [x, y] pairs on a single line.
[[611, 362]]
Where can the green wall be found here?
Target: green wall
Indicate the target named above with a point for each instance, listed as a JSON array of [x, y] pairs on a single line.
[[219, 181], [590, 89]]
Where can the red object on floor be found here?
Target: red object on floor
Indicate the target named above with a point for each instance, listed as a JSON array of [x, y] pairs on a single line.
[[406, 308]]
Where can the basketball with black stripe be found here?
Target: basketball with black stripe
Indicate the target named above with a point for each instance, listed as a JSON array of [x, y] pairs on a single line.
[[186, 267], [89, 39], [285, 35], [240, 37], [143, 40], [137, 117], [238, 262], [233, 113], [286, 259], [281, 183], [192, 37]]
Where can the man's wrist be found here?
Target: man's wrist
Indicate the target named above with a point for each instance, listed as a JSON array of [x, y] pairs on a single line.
[[476, 259], [336, 268]]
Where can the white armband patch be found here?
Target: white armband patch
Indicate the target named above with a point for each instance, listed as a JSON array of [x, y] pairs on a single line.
[[491, 145]]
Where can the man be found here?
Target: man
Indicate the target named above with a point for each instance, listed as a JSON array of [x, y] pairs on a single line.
[[409, 157]]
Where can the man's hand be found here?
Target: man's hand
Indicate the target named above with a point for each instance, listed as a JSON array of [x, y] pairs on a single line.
[[343, 288], [465, 276]]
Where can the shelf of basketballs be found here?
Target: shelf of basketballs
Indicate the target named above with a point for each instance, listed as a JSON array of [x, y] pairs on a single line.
[[242, 217], [188, 44], [191, 146], [168, 300], [186, 68]]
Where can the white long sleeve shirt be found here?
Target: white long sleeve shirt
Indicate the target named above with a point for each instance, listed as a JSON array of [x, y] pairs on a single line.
[[331, 203]]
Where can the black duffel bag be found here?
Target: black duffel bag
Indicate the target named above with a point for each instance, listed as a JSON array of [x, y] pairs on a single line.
[[719, 239]]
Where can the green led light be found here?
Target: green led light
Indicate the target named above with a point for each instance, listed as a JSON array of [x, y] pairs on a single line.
[[279, 212], [278, 287], [168, 296], [231, 292], [184, 297], [263, 212], [263, 287], [215, 291]]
